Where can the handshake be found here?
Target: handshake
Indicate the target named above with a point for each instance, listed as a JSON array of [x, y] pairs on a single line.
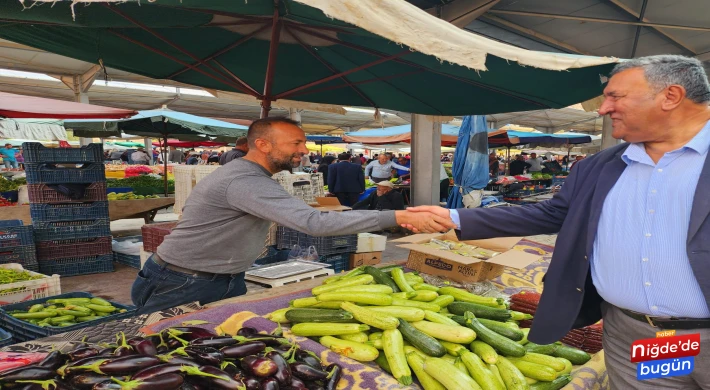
[[425, 219]]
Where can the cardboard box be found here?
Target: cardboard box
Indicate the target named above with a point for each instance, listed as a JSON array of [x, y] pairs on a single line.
[[329, 204], [367, 242], [358, 259], [444, 263]]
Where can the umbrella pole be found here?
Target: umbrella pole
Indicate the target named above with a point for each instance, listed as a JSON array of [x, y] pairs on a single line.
[[321, 150], [507, 163], [271, 62], [165, 160]]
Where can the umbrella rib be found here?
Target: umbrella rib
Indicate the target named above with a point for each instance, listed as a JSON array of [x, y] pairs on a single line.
[[223, 51], [245, 87], [330, 67], [394, 76]]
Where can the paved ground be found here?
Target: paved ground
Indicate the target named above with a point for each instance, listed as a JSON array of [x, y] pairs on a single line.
[[116, 286]]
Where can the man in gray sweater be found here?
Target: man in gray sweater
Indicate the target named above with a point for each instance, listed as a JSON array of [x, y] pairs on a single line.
[[226, 220]]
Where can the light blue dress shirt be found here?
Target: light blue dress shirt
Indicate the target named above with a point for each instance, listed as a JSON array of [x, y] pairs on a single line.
[[382, 171], [639, 260]]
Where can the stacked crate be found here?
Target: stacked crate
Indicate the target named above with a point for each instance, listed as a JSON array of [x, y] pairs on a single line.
[[69, 209], [17, 244], [334, 250]]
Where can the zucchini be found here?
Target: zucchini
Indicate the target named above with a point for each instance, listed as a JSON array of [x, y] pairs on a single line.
[[511, 375], [453, 349], [354, 272], [417, 304], [377, 344], [356, 281], [531, 381], [534, 370], [455, 334], [490, 313], [449, 359], [410, 349], [383, 363], [524, 341], [381, 277], [334, 305], [546, 349], [388, 268], [461, 367], [393, 345], [465, 296], [351, 349], [369, 317], [443, 300], [438, 318], [375, 336], [424, 296], [574, 355], [428, 382], [425, 286], [306, 329], [378, 299], [568, 366], [406, 313], [318, 315], [496, 375], [413, 278], [479, 372], [398, 277], [332, 279], [502, 344], [519, 316], [278, 316], [356, 337], [502, 329], [304, 302], [484, 351], [448, 375], [420, 340], [372, 288], [404, 295], [557, 384], [544, 360]]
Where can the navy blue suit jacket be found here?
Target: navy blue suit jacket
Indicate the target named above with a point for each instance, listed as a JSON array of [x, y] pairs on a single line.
[[569, 299], [344, 176]]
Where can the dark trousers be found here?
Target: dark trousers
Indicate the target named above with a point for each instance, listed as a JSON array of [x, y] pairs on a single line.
[[157, 288], [347, 198], [444, 189]]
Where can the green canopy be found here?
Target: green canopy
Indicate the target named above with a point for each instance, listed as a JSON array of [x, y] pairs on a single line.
[[364, 53], [128, 144]]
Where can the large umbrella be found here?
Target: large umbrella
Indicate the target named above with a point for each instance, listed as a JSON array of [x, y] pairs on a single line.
[[20, 106], [395, 134], [383, 54], [470, 166]]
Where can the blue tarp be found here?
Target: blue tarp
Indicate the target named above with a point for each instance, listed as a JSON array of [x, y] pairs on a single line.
[[470, 166], [324, 139]]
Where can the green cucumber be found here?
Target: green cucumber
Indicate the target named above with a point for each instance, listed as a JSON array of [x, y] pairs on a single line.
[[479, 311], [383, 363], [546, 349], [505, 346], [557, 384], [574, 355], [381, 277], [298, 315], [420, 340], [502, 329]]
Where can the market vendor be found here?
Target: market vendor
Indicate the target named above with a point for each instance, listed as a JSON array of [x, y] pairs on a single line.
[[381, 169], [226, 219], [633, 225], [385, 198]]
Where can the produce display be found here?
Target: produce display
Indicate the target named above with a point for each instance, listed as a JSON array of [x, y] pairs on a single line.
[[129, 196], [446, 337], [139, 181], [6, 203], [63, 312], [11, 185], [541, 176], [180, 358], [462, 249], [13, 276]]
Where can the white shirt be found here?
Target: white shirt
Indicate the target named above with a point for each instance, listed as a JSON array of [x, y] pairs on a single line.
[[442, 173], [535, 164], [139, 156]]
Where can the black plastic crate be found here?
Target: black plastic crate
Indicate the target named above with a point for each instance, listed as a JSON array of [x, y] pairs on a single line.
[[44, 193], [25, 331], [68, 211], [23, 255], [77, 265], [12, 236], [35, 152], [286, 238], [71, 230], [59, 249], [339, 262], [68, 173], [5, 338]]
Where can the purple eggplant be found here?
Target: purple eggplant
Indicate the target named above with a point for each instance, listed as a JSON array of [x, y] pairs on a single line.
[[205, 355], [161, 382], [108, 351], [214, 342], [53, 384], [335, 372], [269, 340], [182, 360], [218, 379], [161, 369], [145, 347], [188, 333], [243, 349], [68, 369], [297, 384], [314, 386], [124, 365], [283, 371], [174, 344], [107, 385], [259, 366], [82, 353], [306, 372], [133, 341], [87, 380], [247, 331], [252, 383], [305, 357], [26, 373], [53, 360], [232, 369], [270, 384]]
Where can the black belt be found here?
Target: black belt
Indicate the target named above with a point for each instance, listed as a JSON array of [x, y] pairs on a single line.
[[186, 271], [669, 322]]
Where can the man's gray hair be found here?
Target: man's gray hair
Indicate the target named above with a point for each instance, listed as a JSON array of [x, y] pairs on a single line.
[[662, 71]]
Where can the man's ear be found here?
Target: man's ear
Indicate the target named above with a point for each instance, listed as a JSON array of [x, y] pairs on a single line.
[[673, 97], [263, 145]]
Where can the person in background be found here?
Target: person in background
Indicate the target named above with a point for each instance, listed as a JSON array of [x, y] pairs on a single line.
[[346, 180], [402, 173], [20, 158], [140, 157], [385, 198], [241, 148], [444, 183], [156, 155], [204, 157], [493, 164], [576, 160], [305, 162], [535, 163], [518, 166], [356, 160], [213, 158], [9, 156], [175, 156], [115, 155], [193, 159], [363, 159], [381, 169], [323, 167]]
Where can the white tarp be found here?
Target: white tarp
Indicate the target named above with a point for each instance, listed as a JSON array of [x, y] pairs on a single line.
[[33, 129]]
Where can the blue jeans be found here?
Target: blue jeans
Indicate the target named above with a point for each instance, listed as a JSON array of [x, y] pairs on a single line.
[[157, 288], [10, 164]]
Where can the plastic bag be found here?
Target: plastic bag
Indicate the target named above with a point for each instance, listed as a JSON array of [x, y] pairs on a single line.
[[485, 288], [307, 254], [130, 246]]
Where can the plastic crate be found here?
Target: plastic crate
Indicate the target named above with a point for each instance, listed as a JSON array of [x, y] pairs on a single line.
[[130, 260], [43, 193], [50, 174], [339, 262], [30, 289], [74, 266], [118, 190], [24, 255], [69, 211], [5, 338], [10, 195], [154, 234], [25, 331], [11, 223], [11, 236], [59, 249], [35, 152], [71, 230], [287, 238], [273, 256]]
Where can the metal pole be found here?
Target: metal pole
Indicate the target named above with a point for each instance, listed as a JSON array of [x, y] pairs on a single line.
[[271, 63], [165, 160]]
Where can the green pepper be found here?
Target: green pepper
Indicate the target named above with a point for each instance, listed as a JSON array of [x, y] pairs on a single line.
[[102, 308], [36, 308], [59, 320], [87, 318], [68, 301], [67, 312], [36, 315], [100, 301], [78, 308], [51, 307]]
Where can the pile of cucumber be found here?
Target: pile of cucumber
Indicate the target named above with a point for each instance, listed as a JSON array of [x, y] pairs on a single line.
[[61, 312], [447, 337]]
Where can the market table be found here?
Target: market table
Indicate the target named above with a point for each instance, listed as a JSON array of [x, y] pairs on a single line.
[[117, 209], [589, 376]]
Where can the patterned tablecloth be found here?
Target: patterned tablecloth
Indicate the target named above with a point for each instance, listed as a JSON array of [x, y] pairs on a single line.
[[590, 376]]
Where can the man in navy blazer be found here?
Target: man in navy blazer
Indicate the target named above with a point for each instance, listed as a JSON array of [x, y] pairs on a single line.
[[346, 180], [633, 243]]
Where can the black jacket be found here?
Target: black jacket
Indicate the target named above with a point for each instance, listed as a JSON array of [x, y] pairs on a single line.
[[390, 201], [344, 176], [517, 167]]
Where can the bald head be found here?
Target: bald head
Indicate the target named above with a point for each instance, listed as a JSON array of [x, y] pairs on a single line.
[[264, 129], [276, 143]]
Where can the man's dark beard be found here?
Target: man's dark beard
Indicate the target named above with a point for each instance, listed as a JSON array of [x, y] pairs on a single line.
[[278, 165]]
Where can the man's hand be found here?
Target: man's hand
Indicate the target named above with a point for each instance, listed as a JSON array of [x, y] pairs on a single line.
[[424, 222], [440, 211]]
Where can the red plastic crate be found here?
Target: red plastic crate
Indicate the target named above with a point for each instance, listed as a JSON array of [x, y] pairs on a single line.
[[42, 193], [59, 249], [154, 234]]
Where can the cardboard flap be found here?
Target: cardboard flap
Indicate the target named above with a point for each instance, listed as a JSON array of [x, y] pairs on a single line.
[[328, 201], [501, 244], [440, 253], [515, 259]]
